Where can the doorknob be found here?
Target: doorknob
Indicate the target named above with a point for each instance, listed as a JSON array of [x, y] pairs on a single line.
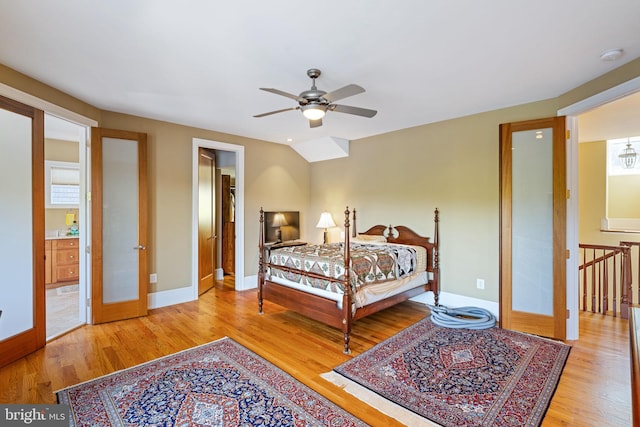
[[140, 247], [211, 237]]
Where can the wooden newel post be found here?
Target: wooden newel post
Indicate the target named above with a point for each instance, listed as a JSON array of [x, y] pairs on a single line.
[[260, 260], [626, 282]]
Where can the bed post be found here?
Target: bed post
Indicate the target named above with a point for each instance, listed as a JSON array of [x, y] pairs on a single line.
[[260, 260], [346, 296], [354, 232], [436, 257]]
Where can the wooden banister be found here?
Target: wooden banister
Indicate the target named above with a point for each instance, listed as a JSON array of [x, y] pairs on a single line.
[[634, 341], [607, 272]]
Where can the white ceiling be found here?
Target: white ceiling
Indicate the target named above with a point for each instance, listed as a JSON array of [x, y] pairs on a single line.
[[617, 119], [201, 62]]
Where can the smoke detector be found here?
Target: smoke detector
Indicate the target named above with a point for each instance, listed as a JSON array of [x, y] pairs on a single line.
[[611, 54]]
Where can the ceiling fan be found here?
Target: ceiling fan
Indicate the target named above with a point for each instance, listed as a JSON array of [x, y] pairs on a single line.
[[314, 103]]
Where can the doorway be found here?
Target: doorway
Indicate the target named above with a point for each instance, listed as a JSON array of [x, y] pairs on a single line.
[[573, 113], [65, 225], [230, 156]]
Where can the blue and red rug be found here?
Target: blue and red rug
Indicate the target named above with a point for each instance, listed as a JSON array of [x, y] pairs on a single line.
[[457, 377], [217, 384]]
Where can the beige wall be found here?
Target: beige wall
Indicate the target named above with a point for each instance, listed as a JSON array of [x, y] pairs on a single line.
[[61, 151], [275, 177], [623, 199], [399, 178], [592, 197]]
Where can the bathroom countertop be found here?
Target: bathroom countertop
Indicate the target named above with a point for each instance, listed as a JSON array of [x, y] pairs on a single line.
[[60, 237]]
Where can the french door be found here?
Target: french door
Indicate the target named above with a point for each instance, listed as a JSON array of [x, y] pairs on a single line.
[[22, 292], [119, 271], [533, 223]]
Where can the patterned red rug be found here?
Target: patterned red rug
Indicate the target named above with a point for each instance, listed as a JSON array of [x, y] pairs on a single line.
[[217, 384], [459, 377]]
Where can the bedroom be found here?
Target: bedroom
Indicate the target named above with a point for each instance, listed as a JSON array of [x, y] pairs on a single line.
[[170, 257], [469, 188]]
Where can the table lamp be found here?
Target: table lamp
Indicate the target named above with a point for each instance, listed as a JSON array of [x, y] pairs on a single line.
[[326, 221]]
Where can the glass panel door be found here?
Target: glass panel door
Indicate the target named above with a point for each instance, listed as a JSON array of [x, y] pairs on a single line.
[[119, 220], [22, 254], [16, 251], [533, 199], [119, 224], [532, 221]]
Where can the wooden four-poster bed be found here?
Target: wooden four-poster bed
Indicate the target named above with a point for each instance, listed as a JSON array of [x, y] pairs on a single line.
[[387, 265]]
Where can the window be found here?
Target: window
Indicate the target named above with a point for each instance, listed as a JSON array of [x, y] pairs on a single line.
[[623, 186], [62, 184], [615, 163]]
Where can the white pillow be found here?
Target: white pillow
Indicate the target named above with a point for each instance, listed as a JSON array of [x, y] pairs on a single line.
[[369, 238]]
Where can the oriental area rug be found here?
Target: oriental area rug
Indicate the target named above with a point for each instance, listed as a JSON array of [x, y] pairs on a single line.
[[217, 384], [431, 375]]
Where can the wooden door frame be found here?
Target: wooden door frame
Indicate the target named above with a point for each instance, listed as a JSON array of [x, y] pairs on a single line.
[[572, 112], [512, 319]]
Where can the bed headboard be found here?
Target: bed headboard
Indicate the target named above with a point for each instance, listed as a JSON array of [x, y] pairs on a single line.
[[403, 235]]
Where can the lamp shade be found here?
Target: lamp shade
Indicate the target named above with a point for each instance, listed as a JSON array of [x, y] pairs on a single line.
[[313, 111], [279, 220], [326, 221]]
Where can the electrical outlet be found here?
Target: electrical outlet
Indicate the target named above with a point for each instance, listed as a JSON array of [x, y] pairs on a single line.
[[153, 278], [480, 283]]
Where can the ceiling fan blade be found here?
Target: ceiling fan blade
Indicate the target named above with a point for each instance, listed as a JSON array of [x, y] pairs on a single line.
[[348, 90], [353, 110], [275, 112], [283, 93], [315, 123]]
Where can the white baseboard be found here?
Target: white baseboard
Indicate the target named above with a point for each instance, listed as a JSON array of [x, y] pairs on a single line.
[[249, 282], [457, 301], [219, 274], [170, 297]]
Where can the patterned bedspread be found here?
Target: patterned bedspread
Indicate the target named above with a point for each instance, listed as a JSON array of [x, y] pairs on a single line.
[[370, 264]]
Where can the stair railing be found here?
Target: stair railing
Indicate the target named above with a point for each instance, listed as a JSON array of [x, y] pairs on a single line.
[[605, 279]]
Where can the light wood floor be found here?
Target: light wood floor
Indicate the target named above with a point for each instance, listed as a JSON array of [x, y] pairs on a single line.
[[594, 389]]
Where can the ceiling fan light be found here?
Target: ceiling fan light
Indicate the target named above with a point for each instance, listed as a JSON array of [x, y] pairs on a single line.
[[314, 111]]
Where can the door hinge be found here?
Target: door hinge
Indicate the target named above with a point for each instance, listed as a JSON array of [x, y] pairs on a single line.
[[568, 194], [568, 134], [568, 253], [568, 314]]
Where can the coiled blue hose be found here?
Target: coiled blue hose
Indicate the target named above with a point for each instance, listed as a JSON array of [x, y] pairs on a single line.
[[463, 317]]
